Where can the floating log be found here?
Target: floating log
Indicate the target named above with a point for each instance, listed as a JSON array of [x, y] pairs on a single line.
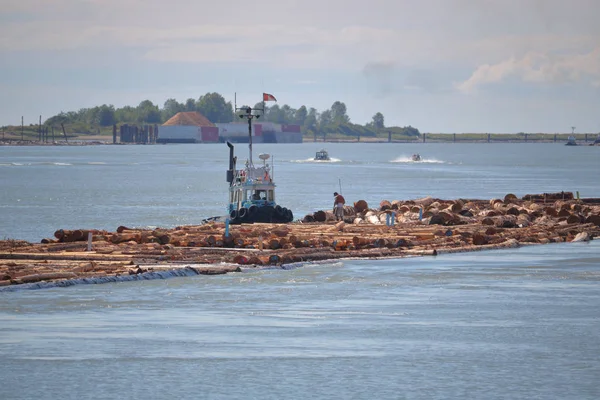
[[47, 276], [385, 205], [476, 224], [360, 206]]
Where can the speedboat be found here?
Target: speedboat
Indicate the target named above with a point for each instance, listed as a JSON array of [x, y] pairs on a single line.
[[416, 157], [322, 155]]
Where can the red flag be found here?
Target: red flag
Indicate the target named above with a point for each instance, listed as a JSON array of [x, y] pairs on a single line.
[[268, 97]]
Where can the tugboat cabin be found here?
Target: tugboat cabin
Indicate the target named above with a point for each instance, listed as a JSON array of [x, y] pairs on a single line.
[[252, 186]]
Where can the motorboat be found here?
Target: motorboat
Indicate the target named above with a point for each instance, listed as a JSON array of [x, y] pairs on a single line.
[[416, 157], [322, 155]]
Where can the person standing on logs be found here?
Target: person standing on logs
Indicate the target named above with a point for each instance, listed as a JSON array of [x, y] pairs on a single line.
[[338, 206]]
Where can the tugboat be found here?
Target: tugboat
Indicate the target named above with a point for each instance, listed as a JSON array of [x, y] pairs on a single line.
[[322, 155], [571, 141], [251, 189]]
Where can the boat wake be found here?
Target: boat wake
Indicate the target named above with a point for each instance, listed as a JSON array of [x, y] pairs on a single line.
[[408, 159], [312, 160]]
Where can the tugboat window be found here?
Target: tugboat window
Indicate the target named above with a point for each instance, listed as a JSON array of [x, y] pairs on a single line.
[[271, 197], [259, 195]]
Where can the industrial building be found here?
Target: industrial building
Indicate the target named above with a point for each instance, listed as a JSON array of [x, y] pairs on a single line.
[[188, 127], [193, 127]]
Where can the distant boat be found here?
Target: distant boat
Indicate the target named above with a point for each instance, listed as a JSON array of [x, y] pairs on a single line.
[[416, 157], [571, 141], [322, 155]]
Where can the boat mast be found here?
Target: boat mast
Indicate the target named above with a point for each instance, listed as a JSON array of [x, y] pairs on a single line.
[[249, 113]]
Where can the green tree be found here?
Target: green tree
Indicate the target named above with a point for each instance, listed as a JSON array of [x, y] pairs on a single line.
[[311, 121], [288, 114], [170, 108], [106, 115], [190, 105], [325, 118], [378, 121], [126, 114], [301, 115], [147, 112], [214, 107], [275, 114], [56, 120], [338, 113]]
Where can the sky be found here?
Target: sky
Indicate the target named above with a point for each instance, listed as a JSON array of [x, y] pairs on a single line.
[[498, 66]]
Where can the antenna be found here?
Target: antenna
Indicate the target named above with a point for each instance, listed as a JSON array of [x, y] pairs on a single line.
[[573, 130], [249, 113]]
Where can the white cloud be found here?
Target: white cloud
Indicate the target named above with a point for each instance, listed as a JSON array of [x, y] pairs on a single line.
[[412, 48], [537, 67], [336, 34]]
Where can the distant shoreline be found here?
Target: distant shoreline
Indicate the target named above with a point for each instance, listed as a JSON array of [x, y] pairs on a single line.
[[94, 140]]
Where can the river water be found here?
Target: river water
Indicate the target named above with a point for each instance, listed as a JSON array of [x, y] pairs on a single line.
[[519, 323]]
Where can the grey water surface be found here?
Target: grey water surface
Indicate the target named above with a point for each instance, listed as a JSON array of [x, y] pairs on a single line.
[[511, 324]]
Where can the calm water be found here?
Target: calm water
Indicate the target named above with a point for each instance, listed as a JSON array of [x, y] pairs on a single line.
[[494, 325], [48, 188]]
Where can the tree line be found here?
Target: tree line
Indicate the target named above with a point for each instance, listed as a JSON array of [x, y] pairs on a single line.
[[213, 106]]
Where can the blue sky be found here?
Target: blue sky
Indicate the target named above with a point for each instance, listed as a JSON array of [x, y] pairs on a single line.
[[438, 65]]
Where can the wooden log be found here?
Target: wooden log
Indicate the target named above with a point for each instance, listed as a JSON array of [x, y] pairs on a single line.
[[593, 219], [385, 205], [563, 212], [125, 237], [479, 239], [454, 207], [360, 206], [425, 201], [211, 240], [308, 218], [404, 208], [576, 207], [510, 199], [396, 204], [581, 237], [216, 270], [320, 216], [493, 202], [47, 276], [121, 229], [430, 212], [511, 243], [513, 210], [532, 207]]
